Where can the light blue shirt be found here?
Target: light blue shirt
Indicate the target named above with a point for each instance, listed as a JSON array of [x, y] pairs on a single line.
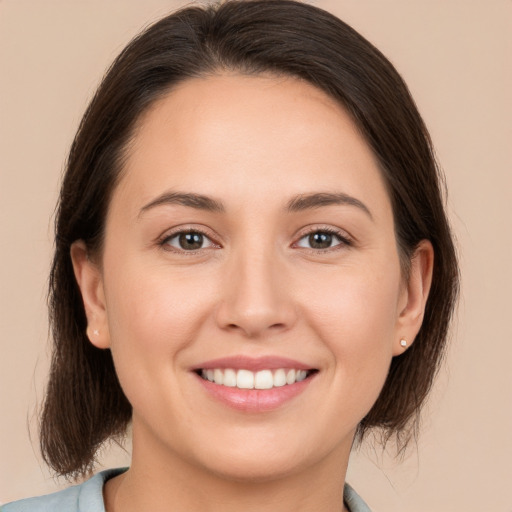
[[88, 497]]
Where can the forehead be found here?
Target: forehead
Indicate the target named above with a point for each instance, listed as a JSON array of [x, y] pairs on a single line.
[[236, 135]]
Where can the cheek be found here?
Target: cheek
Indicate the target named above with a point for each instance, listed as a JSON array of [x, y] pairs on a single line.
[[153, 310], [357, 304], [153, 316], [355, 316]]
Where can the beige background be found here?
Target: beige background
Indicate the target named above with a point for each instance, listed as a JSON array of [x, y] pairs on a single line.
[[455, 56]]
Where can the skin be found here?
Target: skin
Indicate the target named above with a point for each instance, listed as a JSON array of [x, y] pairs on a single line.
[[258, 288]]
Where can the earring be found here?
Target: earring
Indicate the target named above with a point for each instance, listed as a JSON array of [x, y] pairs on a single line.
[[96, 332], [403, 343]]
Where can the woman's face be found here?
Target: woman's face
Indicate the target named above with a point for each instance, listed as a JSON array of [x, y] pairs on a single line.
[[251, 236]]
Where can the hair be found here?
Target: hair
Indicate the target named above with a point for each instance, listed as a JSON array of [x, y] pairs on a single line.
[[84, 404]]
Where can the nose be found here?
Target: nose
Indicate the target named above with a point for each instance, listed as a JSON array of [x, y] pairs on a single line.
[[256, 301]]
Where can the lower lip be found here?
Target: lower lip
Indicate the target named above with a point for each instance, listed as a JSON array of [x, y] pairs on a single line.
[[255, 400]]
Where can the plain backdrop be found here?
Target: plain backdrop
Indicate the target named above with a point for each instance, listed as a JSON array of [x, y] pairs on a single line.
[[455, 57]]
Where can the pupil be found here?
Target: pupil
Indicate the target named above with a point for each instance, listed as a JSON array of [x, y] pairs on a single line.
[[320, 240], [191, 241]]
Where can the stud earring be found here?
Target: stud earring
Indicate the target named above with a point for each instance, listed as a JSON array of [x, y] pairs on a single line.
[[403, 343], [96, 332]]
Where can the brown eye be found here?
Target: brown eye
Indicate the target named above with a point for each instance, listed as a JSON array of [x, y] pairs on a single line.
[[319, 240], [189, 241]]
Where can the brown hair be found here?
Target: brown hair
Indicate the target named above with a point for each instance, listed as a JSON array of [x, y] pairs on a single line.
[[84, 404]]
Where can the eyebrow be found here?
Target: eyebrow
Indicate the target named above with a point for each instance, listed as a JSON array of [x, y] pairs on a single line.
[[191, 200], [320, 199], [296, 204]]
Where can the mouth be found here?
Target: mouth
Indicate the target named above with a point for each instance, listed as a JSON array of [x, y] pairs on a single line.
[[254, 384], [261, 379]]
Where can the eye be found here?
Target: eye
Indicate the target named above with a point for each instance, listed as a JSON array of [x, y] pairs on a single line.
[[188, 241], [322, 239]]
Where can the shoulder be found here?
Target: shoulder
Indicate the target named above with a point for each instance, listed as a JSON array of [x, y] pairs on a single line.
[[353, 501], [78, 498]]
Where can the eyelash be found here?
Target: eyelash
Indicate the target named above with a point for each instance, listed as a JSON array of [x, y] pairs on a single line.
[[344, 240], [164, 241]]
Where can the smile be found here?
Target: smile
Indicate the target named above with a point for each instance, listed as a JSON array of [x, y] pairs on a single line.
[[255, 385], [247, 379]]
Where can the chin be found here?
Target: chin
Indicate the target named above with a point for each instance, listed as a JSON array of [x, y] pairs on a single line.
[[262, 462], [261, 469]]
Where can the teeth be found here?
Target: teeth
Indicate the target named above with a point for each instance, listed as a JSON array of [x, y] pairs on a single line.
[[301, 375], [279, 378], [245, 379], [218, 376], [264, 380], [229, 378], [290, 376]]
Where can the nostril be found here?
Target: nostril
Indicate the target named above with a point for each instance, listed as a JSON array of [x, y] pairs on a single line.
[[254, 316], [255, 329], [277, 326]]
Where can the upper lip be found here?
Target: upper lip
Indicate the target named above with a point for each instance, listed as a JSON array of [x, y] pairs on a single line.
[[253, 363]]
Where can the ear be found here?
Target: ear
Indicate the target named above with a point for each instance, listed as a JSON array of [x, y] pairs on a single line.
[[414, 297], [90, 281]]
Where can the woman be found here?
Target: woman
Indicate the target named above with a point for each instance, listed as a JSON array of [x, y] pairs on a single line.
[[253, 266]]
